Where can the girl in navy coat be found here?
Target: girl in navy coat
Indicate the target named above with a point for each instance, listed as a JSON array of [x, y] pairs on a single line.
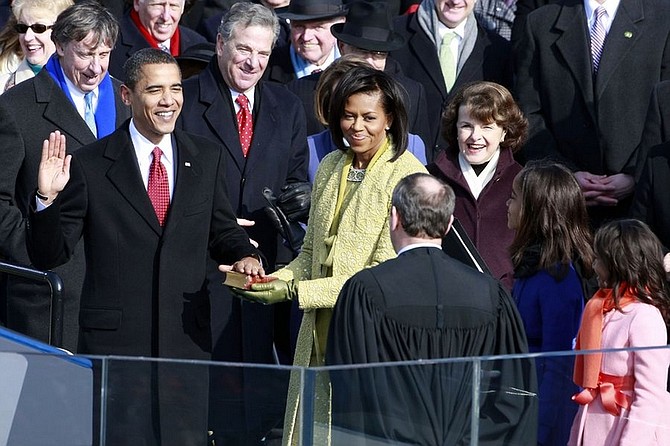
[[552, 244]]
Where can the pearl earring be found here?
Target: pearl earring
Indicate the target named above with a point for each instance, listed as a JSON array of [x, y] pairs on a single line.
[[388, 128]]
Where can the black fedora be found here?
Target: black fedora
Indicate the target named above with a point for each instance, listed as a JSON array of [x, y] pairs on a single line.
[[368, 27], [314, 10]]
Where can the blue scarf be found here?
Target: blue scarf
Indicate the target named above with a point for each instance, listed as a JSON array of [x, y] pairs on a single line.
[[105, 113]]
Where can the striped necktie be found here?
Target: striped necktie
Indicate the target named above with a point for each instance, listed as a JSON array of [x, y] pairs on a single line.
[[598, 35]]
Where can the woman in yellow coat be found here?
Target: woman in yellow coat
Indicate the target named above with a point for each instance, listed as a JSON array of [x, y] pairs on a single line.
[[348, 227]]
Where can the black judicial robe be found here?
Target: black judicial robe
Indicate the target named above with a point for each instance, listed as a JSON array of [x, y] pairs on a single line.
[[426, 305]]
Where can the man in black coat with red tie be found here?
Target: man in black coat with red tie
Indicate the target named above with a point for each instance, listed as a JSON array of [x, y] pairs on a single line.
[[425, 305], [150, 203]]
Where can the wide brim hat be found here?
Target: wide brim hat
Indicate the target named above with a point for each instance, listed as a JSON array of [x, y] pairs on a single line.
[[314, 10], [368, 27]]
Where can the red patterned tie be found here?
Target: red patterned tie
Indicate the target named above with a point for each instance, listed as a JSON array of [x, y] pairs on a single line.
[[158, 187], [245, 124]]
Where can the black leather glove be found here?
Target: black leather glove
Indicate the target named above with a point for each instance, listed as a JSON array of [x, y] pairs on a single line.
[[294, 200], [290, 231]]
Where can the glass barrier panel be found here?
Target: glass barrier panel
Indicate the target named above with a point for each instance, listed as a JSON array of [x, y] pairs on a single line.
[[51, 398], [191, 402]]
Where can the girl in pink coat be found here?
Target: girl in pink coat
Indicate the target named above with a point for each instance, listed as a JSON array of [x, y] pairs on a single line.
[[624, 399]]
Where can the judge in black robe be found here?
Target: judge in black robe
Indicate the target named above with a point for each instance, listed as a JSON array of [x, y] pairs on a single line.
[[426, 305]]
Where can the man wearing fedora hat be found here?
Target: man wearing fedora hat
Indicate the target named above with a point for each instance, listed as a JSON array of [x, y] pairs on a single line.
[[312, 46], [368, 32]]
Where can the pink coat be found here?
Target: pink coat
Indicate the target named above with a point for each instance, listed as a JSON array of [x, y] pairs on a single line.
[[647, 421]]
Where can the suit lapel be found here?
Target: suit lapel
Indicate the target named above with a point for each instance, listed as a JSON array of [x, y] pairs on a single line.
[[125, 176], [473, 65], [427, 55], [60, 110], [574, 46], [620, 40], [266, 118], [219, 117], [187, 177]]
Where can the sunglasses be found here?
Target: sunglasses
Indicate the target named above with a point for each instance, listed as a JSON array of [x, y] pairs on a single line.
[[37, 28]]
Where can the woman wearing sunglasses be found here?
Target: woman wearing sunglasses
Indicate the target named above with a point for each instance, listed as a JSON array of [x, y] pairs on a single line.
[[34, 19]]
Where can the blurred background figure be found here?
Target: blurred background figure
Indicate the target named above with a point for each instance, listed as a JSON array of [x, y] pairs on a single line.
[[348, 226], [34, 20], [10, 49], [209, 26], [650, 203], [497, 16], [151, 23], [195, 59], [483, 127], [312, 46], [624, 400], [552, 258]]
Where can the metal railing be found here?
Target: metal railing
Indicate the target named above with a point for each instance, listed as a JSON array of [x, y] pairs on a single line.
[[56, 286]]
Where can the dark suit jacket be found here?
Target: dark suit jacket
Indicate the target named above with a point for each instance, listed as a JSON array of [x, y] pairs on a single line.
[[591, 124], [426, 305], [490, 60], [656, 125], [28, 113], [651, 203], [130, 40], [278, 155], [280, 69], [144, 291], [417, 114]]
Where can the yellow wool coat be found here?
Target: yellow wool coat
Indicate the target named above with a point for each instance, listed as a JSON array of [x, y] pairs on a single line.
[[363, 240]]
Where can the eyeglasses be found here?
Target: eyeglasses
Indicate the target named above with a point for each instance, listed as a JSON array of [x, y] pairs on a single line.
[[37, 28], [376, 55]]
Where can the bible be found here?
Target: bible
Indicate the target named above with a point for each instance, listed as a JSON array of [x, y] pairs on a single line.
[[243, 281]]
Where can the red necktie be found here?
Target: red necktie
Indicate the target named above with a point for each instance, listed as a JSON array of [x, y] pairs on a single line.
[[245, 124], [158, 187]]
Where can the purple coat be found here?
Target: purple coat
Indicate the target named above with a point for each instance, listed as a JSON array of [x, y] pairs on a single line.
[[484, 219]]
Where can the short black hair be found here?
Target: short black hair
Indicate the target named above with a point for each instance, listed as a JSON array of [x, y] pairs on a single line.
[[146, 56]]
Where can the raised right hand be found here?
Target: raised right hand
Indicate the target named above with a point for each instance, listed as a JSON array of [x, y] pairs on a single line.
[[54, 170]]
